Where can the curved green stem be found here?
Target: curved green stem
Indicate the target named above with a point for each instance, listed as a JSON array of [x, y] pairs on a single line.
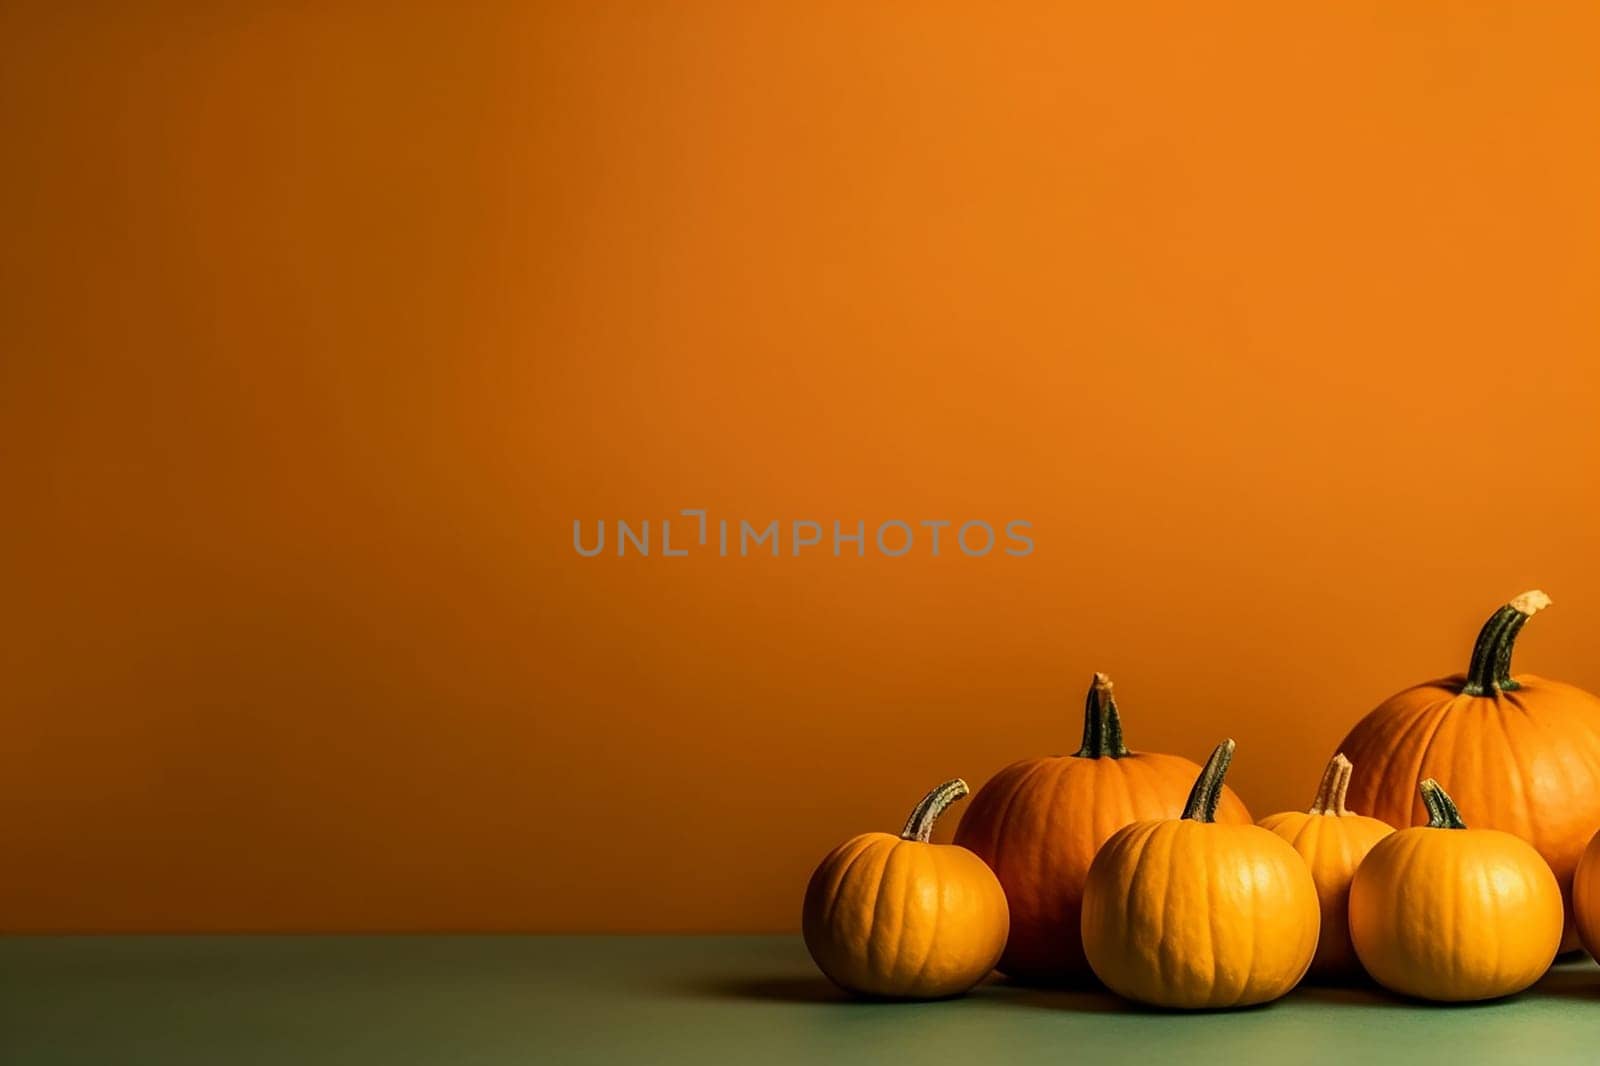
[[1490, 670], [1442, 812], [1102, 725], [919, 826], [1207, 791]]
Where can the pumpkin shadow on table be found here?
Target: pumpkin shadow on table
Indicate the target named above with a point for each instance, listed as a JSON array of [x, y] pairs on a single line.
[[1082, 997], [793, 988], [1565, 982], [779, 989], [1569, 982], [1362, 992], [1091, 998], [818, 990]]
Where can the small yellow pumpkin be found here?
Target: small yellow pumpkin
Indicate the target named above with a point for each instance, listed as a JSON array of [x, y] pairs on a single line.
[[1192, 913], [1332, 841], [900, 917], [1447, 913]]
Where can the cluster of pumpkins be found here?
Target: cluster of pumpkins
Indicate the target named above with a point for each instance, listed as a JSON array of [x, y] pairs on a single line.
[[1146, 871]]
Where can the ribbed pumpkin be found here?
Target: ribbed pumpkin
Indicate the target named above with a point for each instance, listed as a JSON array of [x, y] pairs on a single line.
[[1453, 914], [900, 917], [1332, 841], [1039, 822], [1523, 752], [1190, 914]]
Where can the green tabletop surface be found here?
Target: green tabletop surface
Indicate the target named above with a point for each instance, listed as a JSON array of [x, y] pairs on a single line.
[[498, 1000]]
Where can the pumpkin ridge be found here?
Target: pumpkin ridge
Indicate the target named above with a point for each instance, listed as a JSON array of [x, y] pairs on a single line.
[[1439, 746], [1486, 884], [892, 889], [1281, 887], [1435, 717], [1001, 849], [1044, 845], [1306, 831], [1141, 779], [1171, 961], [1136, 841], [1208, 857], [990, 813], [875, 919], [1252, 929], [938, 919], [1378, 765], [865, 842], [911, 875], [1516, 809]]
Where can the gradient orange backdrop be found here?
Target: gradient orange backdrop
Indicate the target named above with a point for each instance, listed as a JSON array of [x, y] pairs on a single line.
[[320, 325]]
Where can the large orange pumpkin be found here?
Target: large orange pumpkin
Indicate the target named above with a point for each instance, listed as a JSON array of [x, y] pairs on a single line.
[[1521, 751], [1039, 822]]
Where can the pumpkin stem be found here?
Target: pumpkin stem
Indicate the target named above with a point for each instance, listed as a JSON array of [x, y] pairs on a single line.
[[1102, 725], [1207, 791], [1335, 785], [919, 826], [1442, 812], [1490, 671]]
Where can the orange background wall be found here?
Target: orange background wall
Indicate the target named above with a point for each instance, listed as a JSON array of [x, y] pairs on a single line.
[[318, 329]]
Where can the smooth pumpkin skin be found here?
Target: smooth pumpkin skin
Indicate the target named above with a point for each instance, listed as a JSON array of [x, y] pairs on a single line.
[[1332, 841], [1525, 760], [1586, 896], [1196, 915], [889, 917], [1039, 823], [1455, 915]]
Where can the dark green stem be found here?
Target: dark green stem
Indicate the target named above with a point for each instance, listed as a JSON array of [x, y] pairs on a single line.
[[1502, 653], [1442, 812], [920, 825], [1102, 725], [1207, 791], [1490, 670]]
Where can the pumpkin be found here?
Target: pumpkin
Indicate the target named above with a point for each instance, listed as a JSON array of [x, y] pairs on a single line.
[[1586, 897], [1188, 913], [1039, 822], [900, 917], [1332, 841], [1524, 752], [1448, 913]]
